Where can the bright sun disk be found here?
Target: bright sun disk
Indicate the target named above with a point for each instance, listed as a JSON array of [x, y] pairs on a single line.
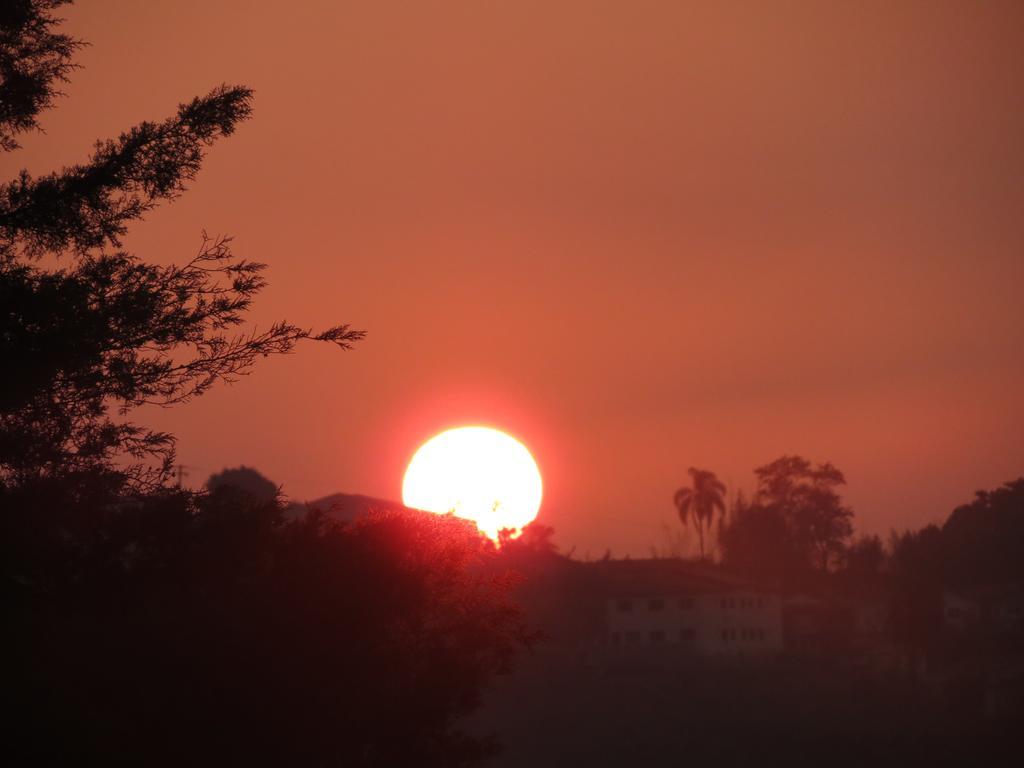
[[478, 473]]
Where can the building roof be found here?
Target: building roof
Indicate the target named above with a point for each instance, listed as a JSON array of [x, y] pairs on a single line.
[[624, 578]]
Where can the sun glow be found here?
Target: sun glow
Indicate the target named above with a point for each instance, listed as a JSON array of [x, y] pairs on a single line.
[[478, 473]]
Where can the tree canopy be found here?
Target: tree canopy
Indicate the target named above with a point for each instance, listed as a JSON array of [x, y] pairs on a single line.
[[699, 503], [795, 521], [207, 631], [34, 60], [106, 329], [153, 625], [245, 480]]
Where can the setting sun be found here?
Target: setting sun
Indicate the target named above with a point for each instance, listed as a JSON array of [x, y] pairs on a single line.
[[478, 473]]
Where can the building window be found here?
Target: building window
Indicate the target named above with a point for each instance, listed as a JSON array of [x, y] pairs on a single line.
[[657, 637], [725, 635], [625, 606], [632, 638], [616, 639], [687, 636], [686, 603], [656, 604]]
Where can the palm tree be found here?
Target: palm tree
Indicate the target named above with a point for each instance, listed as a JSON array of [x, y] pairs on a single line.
[[699, 503]]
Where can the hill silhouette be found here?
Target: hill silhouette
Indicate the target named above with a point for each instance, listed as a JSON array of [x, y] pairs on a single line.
[[345, 507]]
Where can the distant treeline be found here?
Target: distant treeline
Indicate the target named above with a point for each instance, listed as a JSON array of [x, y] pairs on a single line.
[[795, 530]]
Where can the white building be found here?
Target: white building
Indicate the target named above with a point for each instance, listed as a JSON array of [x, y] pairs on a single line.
[[677, 605]]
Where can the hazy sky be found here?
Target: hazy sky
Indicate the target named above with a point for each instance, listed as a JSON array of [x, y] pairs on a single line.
[[638, 235]]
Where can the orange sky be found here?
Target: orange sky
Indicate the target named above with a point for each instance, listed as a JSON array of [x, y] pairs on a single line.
[[639, 236]]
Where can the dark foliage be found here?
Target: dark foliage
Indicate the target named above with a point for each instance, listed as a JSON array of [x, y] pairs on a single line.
[[155, 626], [917, 587], [201, 630], [807, 497], [795, 523], [34, 59], [113, 329], [865, 557], [247, 480], [978, 554], [699, 503], [756, 541], [864, 569], [983, 541], [108, 329], [535, 540], [89, 206]]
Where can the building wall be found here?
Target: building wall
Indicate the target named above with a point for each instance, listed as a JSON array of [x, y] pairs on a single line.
[[746, 623]]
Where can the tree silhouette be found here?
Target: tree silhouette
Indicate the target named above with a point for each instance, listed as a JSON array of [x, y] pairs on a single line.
[[205, 631], [699, 503], [794, 524], [976, 551], [152, 625], [865, 557], [983, 540], [245, 480], [108, 329], [756, 540], [34, 59], [918, 581], [806, 496]]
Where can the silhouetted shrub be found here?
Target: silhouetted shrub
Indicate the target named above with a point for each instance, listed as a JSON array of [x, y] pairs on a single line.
[[246, 480], [202, 631]]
